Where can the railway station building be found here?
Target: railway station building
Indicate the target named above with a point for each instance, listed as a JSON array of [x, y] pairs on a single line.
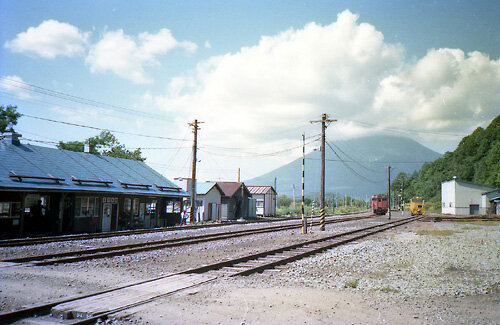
[[465, 198], [51, 191]]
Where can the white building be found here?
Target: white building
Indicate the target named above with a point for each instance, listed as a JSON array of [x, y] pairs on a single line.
[[265, 197], [464, 198], [208, 202]]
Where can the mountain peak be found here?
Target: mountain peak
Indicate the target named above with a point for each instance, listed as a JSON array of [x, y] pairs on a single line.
[[356, 166]]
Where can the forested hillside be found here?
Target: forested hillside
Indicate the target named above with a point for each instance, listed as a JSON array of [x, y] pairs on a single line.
[[476, 159]]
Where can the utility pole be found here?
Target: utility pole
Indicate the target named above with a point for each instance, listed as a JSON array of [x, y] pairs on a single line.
[[389, 190], [293, 195], [192, 217], [238, 174], [304, 221], [324, 121], [276, 203], [403, 195]]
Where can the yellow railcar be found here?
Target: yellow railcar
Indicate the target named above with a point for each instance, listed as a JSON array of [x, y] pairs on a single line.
[[417, 206]]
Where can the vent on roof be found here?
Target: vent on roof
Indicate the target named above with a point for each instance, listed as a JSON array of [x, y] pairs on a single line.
[[48, 177], [13, 137], [127, 185], [97, 181]]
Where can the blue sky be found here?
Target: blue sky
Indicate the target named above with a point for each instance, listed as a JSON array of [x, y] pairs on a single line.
[[254, 71]]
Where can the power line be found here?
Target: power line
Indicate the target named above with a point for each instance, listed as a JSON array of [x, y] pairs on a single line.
[[405, 130], [77, 99], [375, 162], [353, 160], [250, 153], [350, 168], [256, 155], [102, 129]]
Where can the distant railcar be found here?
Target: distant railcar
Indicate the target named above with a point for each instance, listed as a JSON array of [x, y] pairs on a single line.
[[379, 204], [417, 206]]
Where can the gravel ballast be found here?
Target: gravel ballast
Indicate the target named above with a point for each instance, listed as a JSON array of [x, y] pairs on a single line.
[[421, 273]]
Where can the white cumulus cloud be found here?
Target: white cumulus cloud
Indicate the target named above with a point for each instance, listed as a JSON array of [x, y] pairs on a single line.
[[49, 40], [262, 97], [285, 80], [127, 56], [446, 90], [271, 90]]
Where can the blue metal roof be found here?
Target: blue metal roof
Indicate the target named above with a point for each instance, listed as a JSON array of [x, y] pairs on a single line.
[[30, 160], [202, 188]]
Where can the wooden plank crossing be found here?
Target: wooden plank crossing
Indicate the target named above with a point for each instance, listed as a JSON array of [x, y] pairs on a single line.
[[115, 300]]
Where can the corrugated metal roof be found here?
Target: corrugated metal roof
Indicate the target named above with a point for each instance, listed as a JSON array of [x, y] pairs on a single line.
[[229, 188], [259, 189], [203, 188], [30, 160]]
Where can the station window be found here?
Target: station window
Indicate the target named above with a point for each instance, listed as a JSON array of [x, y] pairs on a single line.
[[170, 207], [135, 207], [151, 207], [127, 205], [86, 207], [9, 209], [177, 206]]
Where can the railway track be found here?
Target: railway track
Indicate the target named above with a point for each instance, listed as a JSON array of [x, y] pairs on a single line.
[[88, 254], [90, 308], [63, 238], [53, 239]]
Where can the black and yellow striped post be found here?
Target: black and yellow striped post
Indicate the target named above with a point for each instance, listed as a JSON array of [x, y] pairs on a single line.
[[322, 219], [304, 221]]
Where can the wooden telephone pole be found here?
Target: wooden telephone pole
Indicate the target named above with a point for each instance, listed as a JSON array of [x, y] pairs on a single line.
[[389, 190], [324, 120], [304, 221], [192, 215]]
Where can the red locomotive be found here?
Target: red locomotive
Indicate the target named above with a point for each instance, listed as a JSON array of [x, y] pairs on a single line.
[[379, 204]]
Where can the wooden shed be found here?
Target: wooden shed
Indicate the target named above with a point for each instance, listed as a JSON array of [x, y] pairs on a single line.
[[236, 197]]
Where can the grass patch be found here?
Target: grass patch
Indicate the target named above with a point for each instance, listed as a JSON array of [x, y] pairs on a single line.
[[388, 290], [446, 232], [351, 284]]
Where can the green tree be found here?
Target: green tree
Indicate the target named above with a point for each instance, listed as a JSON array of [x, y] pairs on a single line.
[[8, 118], [106, 144]]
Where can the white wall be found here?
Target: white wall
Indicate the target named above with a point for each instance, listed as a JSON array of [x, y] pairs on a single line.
[[448, 197], [461, 196], [468, 195], [213, 196]]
